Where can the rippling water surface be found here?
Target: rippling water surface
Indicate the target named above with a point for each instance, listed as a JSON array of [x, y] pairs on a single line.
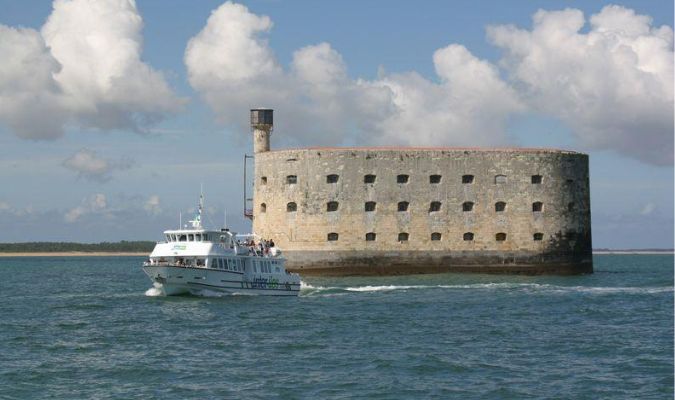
[[89, 328]]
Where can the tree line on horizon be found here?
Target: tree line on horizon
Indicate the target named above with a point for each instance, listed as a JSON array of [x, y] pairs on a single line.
[[55, 247]]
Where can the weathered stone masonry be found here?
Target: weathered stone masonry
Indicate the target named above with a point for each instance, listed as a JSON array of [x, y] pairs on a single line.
[[483, 210]]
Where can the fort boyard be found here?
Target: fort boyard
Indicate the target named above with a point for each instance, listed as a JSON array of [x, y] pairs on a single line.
[[403, 210]]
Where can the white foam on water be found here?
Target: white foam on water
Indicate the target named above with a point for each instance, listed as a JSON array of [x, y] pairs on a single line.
[[306, 286], [208, 293], [384, 288], [612, 290], [155, 290], [527, 287]]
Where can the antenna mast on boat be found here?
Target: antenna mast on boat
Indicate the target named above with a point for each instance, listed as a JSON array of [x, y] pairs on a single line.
[[197, 222]]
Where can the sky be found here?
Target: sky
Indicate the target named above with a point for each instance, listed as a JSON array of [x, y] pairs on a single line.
[[114, 113]]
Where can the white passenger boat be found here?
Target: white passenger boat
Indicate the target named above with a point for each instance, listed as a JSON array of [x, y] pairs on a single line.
[[195, 260]]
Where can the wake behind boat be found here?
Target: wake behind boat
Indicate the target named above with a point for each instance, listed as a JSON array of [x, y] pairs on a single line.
[[195, 259]]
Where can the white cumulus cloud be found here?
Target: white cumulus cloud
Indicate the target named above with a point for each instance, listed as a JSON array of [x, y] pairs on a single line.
[[90, 166], [231, 65], [94, 204], [153, 205], [613, 85], [83, 68]]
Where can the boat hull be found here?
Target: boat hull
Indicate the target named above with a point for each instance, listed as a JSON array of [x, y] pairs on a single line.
[[177, 280]]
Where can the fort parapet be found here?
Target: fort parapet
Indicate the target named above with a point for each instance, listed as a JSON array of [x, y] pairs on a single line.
[[360, 211]]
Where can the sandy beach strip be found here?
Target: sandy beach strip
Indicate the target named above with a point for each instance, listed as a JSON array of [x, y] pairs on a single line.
[[74, 254]]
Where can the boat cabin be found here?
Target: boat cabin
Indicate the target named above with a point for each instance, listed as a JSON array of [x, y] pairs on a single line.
[[224, 237]]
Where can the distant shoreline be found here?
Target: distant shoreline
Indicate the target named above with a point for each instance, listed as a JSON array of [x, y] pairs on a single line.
[[73, 254], [633, 252]]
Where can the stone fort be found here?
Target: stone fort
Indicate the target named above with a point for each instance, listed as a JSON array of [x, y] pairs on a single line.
[[400, 210]]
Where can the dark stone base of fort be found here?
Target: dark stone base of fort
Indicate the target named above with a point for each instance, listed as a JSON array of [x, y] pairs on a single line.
[[344, 263]]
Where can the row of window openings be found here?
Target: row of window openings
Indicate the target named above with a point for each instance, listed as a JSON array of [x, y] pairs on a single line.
[[197, 237], [228, 264], [433, 179], [236, 265], [436, 236], [403, 206]]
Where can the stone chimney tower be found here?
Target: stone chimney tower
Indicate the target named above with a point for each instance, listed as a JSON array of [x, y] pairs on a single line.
[[262, 123]]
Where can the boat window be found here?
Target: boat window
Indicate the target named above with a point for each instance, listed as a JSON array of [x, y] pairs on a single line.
[[205, 237], [173, 238], [200, 262], [198, 237], [182, 238], [168, 238], [221, 263], [276, 269], [191, 238]]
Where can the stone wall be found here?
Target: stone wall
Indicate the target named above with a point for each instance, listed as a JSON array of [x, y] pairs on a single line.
[[499, 175]]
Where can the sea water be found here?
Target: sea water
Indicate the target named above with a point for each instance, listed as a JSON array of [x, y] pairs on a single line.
[[91, 328]]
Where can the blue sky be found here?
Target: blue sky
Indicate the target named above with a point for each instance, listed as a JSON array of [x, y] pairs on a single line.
[[81, 163]]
